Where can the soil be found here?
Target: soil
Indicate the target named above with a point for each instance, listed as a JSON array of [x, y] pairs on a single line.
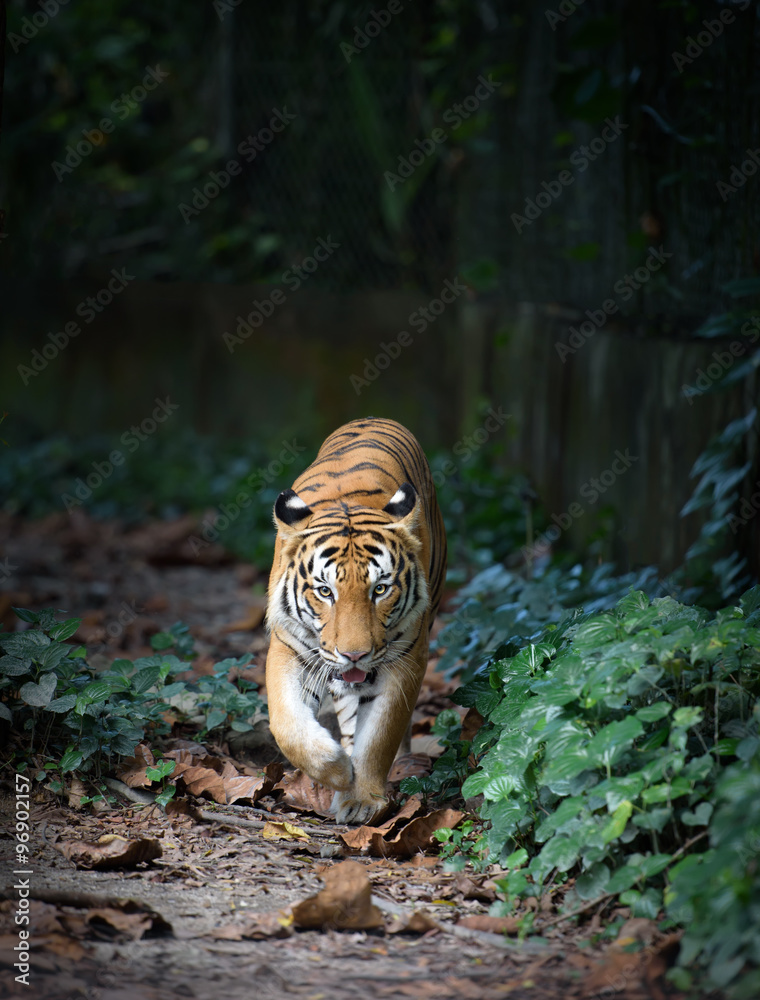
[[213, 915]]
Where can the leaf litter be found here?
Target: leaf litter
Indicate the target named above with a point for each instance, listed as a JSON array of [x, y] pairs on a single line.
[[218, 899]]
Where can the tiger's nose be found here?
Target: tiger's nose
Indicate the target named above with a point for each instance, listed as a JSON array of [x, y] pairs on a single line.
[[354, 657]]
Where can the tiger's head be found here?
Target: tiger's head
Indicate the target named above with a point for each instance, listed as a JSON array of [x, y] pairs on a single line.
[[354, 591]]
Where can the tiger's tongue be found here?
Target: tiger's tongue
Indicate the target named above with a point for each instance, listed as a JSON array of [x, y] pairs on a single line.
[[354, 675]]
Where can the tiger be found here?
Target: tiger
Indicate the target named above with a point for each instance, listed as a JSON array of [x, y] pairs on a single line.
[[358, 570]]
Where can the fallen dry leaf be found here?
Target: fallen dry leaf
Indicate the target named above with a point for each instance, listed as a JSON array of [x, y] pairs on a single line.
[[410, 765], [203, 774], [283, 831], [427, 745], [414, 923], [469, 889], [178, 808], [303, 793], [61, 945], [345, 903], [77, 791], [362, 835], [109, 852], [131, 926], [471, 723], [133, 769], [494, 925], [634, 970], [415, 836], [256, 927]]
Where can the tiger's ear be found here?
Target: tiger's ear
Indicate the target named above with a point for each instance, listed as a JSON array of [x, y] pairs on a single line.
[[291, 514], [404, 506]]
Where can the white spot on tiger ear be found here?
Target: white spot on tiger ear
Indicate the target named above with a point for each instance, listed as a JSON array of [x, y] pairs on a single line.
[[402, 501], [290, 508]]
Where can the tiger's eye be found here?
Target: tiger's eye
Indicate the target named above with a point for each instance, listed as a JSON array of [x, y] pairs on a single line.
[[324, 591], [380, 589]]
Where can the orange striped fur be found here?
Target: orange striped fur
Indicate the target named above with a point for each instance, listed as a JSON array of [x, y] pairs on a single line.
[[359, 566]]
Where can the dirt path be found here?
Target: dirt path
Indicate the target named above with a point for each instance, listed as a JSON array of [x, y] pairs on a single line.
[[211, 885], [215, 914]]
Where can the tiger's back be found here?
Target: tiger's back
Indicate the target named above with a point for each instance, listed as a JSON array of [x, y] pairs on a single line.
[[360, 562]]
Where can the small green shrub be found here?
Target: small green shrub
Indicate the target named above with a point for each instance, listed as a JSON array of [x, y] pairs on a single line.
[[81, 718], [612, 745], [499, 609]]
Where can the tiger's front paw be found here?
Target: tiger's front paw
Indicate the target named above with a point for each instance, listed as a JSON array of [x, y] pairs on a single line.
[[353, 807], [332, 768]]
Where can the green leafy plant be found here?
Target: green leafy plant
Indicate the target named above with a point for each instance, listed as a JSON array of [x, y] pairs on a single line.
[[465, 843], [160, 771], [80, 718], [612, 744], [498, 609], [713, 562]]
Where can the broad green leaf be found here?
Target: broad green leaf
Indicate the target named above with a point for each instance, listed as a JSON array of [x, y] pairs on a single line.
[[687, 716], [652, 713], [124, 745], [623, 878], [240, 727], [643, 904], [516, 859], [567, 810], [613, 739], [617, 790], [165, 796], [653, 819], [699, 768], [617, 822], [215, 718], [162, 640], [569, 765], [592, 883], [70, 760], [666, 791], [52, 655], [501, 787], [162, 769], [644, 680], [24, 644], [39, 695], [653, 865], [123, 667], [97, 691], [533, 657], [654, 740], [64, 630], [560, 853], [476, 782], [12, 666], [146, 678], [5, 712], [26, 616], [699, 816], [747, 748], [63, 704], [595, 633], [637, 600]]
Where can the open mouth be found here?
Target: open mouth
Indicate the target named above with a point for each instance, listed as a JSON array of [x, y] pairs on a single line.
[[354, 675]]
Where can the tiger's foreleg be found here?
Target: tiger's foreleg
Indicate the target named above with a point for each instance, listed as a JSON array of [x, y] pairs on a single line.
[[381, 723], [293, 722]]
